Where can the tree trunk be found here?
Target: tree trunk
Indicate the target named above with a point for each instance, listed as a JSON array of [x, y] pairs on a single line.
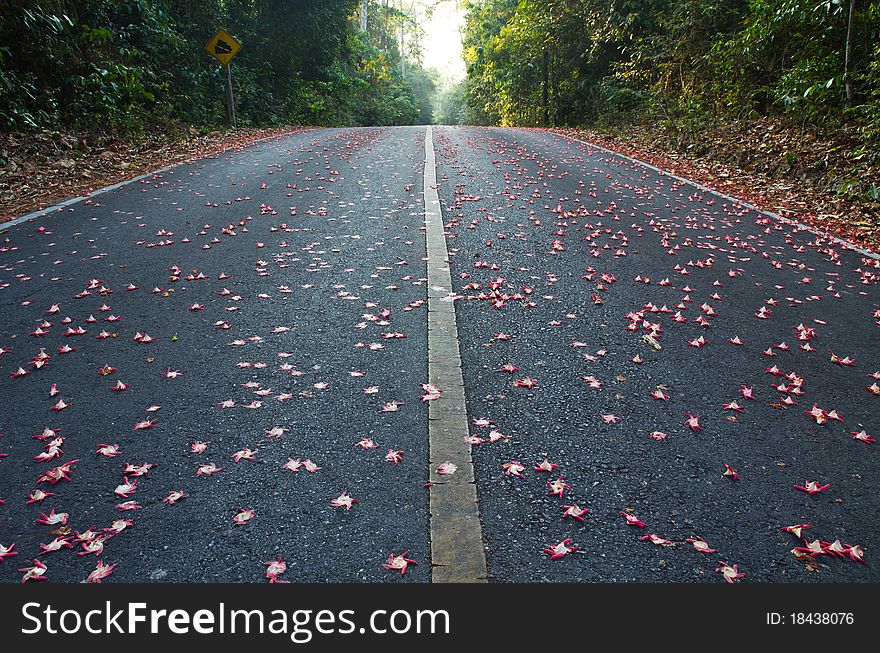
[[230, 98], [847, 80], [545, 104], [363, 15], [401, 38]]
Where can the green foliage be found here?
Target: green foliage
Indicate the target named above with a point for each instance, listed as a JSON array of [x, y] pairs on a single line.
[[424, 88], [569, 62], [128, 66], [451, 108]]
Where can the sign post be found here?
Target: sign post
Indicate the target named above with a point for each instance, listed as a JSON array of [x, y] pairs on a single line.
[[223, 47], [230, 100]]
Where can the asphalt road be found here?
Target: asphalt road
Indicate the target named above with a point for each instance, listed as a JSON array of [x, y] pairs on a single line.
[[287, 281], [330, 242], [559, 227]]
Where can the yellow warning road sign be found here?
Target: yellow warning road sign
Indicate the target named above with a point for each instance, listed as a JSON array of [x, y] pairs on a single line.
[[223, 47]]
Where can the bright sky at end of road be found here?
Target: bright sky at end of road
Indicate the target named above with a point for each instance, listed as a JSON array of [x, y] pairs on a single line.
[[441, 45]]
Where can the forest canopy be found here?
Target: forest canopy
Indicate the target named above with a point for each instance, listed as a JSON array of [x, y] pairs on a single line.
[[681, 62], [126, 66]]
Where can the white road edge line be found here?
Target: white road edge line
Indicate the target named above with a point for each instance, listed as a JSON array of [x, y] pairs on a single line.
[[730, 198], [457, 553], [33, 215]]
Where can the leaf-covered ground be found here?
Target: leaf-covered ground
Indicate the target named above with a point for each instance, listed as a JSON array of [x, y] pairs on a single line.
[[227, 381], [663, 385], [798, 175], [221, 372], [37, 170], [764, 163]]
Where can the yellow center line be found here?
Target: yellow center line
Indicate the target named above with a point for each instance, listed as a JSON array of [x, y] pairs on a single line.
[[457, 553]]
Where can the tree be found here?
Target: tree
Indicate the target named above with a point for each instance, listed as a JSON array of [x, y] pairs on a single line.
[[681, 62], [124, 67]]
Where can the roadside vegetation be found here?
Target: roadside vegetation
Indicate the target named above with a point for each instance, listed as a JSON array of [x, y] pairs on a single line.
[[93, 91], [786, 89], [126, 67], [782, 96]]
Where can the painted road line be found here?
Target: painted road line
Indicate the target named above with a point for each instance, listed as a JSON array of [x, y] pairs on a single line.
[[457, 554], [836, 239]]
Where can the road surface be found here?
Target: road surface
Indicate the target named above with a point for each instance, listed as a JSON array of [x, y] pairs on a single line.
[[274, 302]]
